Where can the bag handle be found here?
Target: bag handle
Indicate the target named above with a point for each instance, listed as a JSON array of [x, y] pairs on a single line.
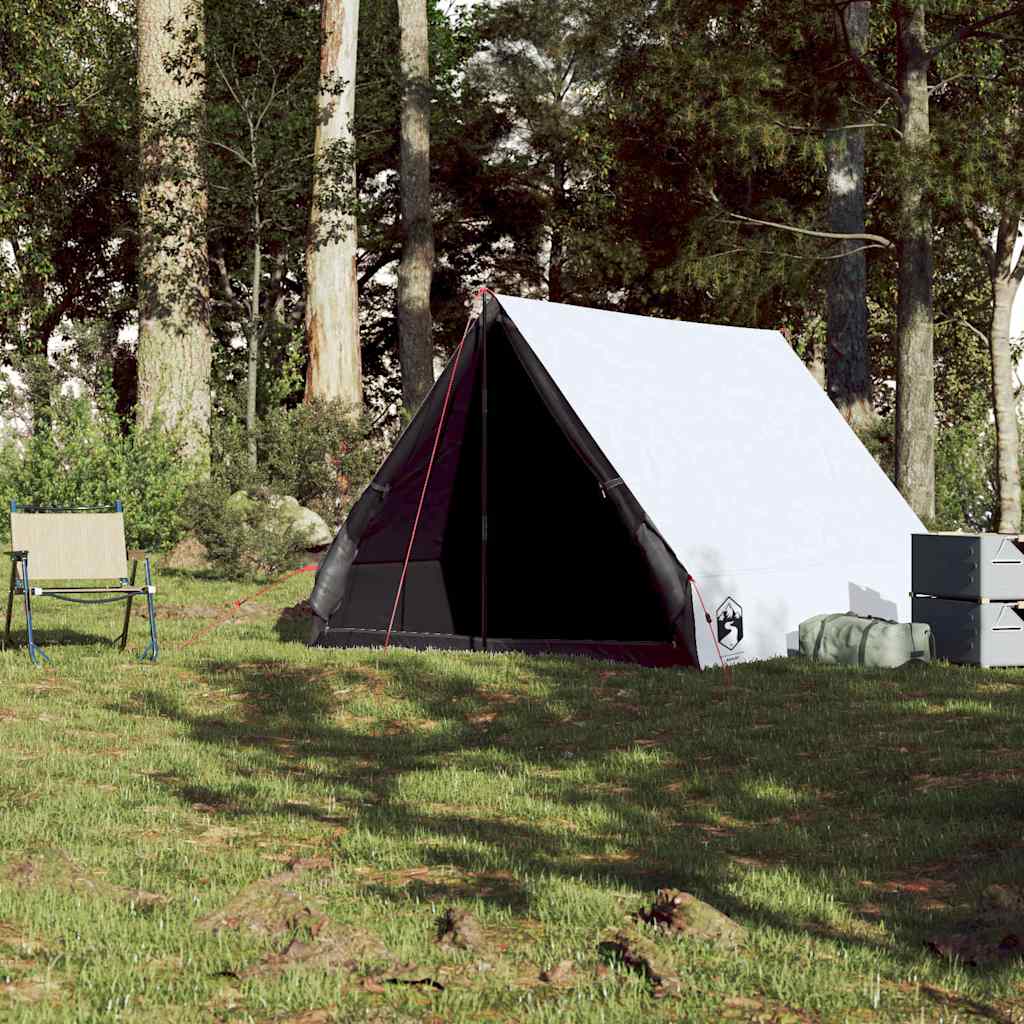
[[862, 649], [821, 632]]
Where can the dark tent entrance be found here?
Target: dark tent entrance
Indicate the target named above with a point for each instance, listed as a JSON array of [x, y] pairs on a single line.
[[526, 540]]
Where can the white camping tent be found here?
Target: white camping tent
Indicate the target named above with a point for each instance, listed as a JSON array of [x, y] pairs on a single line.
[[743, 464]]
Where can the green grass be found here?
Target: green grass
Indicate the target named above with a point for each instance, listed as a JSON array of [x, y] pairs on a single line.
[[841, 816]]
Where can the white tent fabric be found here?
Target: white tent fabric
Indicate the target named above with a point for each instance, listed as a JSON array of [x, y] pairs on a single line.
[[742, 463]]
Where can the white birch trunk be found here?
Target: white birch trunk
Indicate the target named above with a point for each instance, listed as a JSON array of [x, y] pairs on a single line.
[[1006, 279], [332, 302]]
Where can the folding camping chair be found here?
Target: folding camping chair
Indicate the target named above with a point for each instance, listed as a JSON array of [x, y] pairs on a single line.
[[82, 545]]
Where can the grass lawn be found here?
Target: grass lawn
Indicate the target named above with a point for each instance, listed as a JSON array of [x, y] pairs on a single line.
[[251, 830]]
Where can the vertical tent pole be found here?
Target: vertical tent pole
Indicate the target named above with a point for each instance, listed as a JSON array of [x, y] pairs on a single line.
[[483, 483]]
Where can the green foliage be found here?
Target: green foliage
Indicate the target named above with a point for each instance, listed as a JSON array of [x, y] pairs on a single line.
[[965, 480], [315, 453], [67, 163], [244, 539], [965, 476], [84, 458]]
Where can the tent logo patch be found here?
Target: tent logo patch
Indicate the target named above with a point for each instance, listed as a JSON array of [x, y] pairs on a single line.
[[730, 624]]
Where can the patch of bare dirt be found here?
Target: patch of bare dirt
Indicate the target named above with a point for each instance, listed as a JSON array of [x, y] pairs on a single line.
[[445, 881], [327, 948], [762, 1011], [459, 929], [268, 908], [46, 989], [300, 611], [562, 974], [189, 553], [203, 612], [642, 955], [925, 782], [52, 868], [994, 935], [679, 913], [14, 939]]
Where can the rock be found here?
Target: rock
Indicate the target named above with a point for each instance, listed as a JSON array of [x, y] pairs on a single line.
[[681, 913], [642, 955], [188, 553], [460, 929], [314, 532], [305, 521]]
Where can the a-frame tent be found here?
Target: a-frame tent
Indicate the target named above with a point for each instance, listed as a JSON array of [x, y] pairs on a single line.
[[576, 460]]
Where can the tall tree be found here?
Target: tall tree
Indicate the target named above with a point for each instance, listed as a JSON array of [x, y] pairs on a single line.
[[174, 348], [415, 271], [262, 84], [332, 300], [915, 371], [1006, 271], [67, 178], [979, 109], [848, 369]]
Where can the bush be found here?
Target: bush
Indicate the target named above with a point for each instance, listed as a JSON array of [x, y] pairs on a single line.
[[965, 477], [243, 539], [315, 453], [84, 458]]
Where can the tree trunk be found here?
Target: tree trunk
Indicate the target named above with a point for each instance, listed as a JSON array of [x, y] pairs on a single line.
[[848, 366], [252, 376], [334, 370], [915, 367], [1005, 283], [415, 342], [175, 343], [556, 255]]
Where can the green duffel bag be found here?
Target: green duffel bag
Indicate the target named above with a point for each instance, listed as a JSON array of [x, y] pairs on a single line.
[[848, 639]]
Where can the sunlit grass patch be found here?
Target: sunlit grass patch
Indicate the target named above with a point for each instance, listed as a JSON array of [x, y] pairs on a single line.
[[842, 817]]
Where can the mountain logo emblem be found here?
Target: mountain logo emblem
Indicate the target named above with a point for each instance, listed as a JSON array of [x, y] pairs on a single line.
[[730, 624]]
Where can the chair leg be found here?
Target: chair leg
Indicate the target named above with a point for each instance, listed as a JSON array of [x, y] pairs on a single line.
[[10, 604], [35, 652], [128, 606], [152, 648]]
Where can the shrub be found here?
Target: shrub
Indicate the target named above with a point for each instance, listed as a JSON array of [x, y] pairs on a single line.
[[243, 539], [315, 453], [82, 457]]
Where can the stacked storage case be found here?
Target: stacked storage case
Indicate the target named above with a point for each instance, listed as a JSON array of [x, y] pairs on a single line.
[[970, 589]]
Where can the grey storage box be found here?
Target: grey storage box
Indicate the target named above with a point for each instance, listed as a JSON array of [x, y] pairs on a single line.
[[969, 566], [988, 633]]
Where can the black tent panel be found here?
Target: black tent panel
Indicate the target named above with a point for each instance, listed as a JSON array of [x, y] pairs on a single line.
[[527, 540]]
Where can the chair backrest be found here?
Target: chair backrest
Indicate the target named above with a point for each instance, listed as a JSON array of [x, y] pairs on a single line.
[[71, 545]]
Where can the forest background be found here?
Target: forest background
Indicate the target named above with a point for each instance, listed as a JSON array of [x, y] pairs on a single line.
[[250, 229]]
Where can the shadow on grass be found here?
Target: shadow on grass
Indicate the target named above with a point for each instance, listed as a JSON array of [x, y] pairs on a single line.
[[858, 789], [57, 638]]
